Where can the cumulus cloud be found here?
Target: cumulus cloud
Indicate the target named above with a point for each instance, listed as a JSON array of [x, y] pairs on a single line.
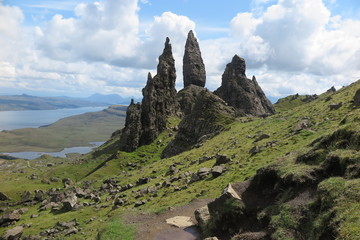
[[101, 31], [295, 41]]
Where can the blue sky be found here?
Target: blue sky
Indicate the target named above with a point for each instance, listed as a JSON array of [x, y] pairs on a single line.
[[81, 47]]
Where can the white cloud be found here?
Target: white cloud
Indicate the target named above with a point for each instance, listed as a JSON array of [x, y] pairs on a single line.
[[295, 41], [101, 31]]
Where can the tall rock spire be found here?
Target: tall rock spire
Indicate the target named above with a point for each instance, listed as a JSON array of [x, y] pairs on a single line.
[[193, 65], [243, 94], [146, 121]]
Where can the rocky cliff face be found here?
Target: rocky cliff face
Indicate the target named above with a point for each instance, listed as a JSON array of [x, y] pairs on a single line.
[[243, 94], [148, 120], [193, 65], [209, 116], [130, 135], [357, 98]]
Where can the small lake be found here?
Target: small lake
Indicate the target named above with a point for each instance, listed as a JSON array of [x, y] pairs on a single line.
[[10, 120], [33, 155]]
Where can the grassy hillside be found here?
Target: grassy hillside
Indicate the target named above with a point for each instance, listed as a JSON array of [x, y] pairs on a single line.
[[72, 131], [170, 182]]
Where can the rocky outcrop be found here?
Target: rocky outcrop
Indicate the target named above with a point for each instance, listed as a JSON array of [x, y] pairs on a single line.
[[130, 136], [243, 94], [193, 65], [146, 121], [187, 97], [357, 98], [159, 100], [208, 117]]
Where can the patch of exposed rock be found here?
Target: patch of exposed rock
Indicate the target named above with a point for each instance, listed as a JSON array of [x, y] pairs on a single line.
[[245, 95], [357, 98], [187, 97], [193, 65], [208, 117], [159, 102]]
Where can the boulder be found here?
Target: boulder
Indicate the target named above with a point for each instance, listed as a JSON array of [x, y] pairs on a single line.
[[245, 95], [222, 159], [335, 106], [193, 65], [357, 98], [261, 137], [216, 171], [14, 233], [26, 197], [227, 198], [39, 195], [10, 217], [180, 221], [202, 216], [3, 197], [67, 182], [70, 202]]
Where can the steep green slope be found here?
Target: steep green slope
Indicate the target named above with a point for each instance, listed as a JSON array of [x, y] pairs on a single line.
[[156, 184]]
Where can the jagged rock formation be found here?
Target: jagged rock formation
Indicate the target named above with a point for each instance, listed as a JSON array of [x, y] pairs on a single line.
[[208, 117], [243, 94], [193, 65], [187, 97], [146, 121], [130, 136]]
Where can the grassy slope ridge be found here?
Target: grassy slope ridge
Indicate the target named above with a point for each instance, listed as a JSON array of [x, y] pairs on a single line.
[[72, 131], [236, 141]]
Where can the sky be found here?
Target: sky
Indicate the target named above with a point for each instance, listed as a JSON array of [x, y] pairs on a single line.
[[80, 47]]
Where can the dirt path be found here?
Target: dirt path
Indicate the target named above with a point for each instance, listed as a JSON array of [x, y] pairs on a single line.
[[154, 227]]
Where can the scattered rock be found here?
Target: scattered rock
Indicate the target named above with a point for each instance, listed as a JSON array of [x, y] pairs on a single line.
[[261, 137], [14, 233], [26, 197], [211, 238], [3, 197], [222, 159], [139, 203], [335, 106], [303, 124], [9, 218], [217, 171], [39, 195], [142, 181], [180, 221], [193, 65], [202, 216], [67, 182], [70, 202], [255, 150]]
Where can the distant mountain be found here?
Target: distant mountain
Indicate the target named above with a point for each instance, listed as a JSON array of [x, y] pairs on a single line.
[[28, 102], [109, 99]]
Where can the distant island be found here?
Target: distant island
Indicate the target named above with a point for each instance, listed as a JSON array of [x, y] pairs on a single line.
[[28, 102]]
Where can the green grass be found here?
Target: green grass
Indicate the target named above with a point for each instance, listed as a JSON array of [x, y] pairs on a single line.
[[116, 229], [236, 141]]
